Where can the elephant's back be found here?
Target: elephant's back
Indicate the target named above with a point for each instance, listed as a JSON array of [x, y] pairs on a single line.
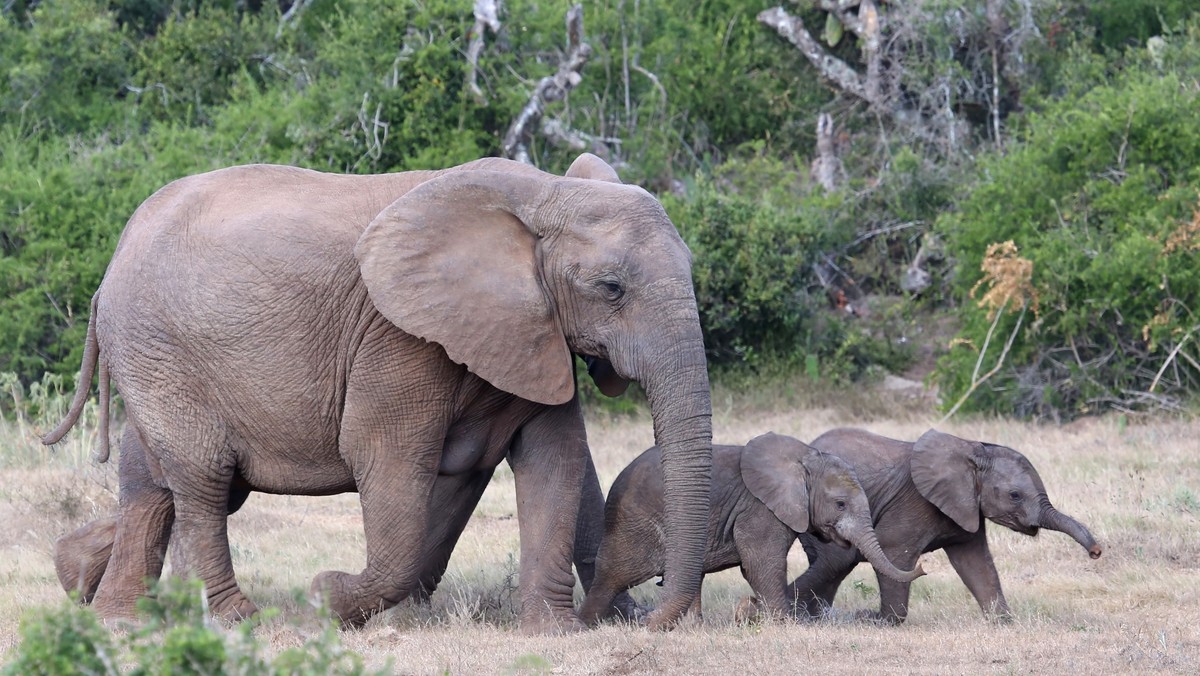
[[240, 284], [859, 447], [266, 209]]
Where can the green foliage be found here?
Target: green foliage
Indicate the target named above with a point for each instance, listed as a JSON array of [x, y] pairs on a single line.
[[750, 261], [63, 640], [60, 73], [753, 265], [102, 103], [1123, 23], [1102, 196], [176, 635]]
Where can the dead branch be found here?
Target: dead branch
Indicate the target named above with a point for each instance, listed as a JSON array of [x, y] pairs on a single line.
[[1171, 358], [830, 67], [561, 135], [487, 15], [976, 379], [291, 16], [827, 169], [550, 88]]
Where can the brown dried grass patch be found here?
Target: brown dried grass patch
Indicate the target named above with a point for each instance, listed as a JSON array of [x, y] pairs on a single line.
[[1133, 610]]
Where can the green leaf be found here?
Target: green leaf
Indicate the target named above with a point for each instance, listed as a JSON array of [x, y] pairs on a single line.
[[833, 30]]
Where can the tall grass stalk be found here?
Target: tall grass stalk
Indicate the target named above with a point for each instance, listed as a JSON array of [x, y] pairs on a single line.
[[26, 414]]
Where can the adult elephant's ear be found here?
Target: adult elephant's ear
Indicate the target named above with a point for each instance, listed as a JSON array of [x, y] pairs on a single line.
[[773, 470], [588, 165], [454, 261], [944, 472], [603, 374]]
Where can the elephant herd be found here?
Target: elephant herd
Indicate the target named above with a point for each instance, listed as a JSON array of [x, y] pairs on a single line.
[[287, 331]]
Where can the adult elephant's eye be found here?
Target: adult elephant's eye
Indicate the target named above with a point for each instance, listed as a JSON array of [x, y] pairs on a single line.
[[841, 505], [612, 290]]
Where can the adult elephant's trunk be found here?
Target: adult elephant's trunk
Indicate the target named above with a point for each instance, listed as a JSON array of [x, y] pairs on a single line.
[[863, 537], [677, 387], [1055, 520]]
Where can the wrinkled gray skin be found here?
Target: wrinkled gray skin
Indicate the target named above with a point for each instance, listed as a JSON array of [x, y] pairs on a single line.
[[929, 495], [282, 330], [763, 495]]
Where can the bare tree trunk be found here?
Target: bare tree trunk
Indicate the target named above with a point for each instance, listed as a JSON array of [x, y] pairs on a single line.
[[487, 15], [827, 168], [830, 67], [550, 88], [868, 18]]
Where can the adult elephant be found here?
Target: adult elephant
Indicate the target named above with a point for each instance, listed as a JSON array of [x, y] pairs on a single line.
[[287, 331]]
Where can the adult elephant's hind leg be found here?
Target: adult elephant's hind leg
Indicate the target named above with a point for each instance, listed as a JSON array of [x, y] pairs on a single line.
[[549, 463], [140, 536], [81, 557], [201, 482]]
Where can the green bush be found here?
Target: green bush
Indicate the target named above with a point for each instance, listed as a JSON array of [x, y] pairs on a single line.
[[63, 640], [175, 635], [753, 257], [1102, 196]]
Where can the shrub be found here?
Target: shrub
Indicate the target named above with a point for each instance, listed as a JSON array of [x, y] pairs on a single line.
[[760, 305], [176, 635], [1102, 196]]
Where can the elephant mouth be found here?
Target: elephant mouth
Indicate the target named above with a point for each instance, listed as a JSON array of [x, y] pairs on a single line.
[[830, 535], [1028, 530]]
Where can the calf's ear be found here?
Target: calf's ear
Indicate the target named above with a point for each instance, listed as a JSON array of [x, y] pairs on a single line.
[[945, 472], [773, 470]]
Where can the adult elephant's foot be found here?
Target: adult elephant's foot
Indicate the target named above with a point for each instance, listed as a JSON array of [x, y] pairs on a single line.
[[343, 594], [549, 623], [232, 606], [116, 605], [81, 557]]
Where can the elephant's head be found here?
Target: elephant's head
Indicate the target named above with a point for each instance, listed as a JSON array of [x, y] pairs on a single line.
[[817, 493], [511, 270], [966, 479]]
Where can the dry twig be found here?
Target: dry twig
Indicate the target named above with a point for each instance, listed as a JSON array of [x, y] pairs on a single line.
[[487, 15], [550, 88]]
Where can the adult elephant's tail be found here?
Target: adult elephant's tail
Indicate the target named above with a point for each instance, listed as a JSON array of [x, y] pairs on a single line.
[[91, 359]]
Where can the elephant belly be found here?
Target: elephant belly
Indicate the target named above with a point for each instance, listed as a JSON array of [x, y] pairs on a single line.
[[315, 468], [285, 478]]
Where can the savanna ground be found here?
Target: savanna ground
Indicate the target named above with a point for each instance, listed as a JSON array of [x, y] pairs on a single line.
[[1134, 481]]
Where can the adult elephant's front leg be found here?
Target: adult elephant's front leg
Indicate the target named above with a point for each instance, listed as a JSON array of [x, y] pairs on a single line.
[[549, 463], [393, 453], [395, 502]]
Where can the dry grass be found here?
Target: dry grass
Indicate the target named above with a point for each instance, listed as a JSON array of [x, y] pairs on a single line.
[[1137, 609]]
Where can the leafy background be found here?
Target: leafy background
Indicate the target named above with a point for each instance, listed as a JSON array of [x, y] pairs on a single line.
[[1093, 176]]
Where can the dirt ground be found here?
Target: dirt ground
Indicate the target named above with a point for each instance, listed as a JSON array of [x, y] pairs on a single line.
[[1135, 483]]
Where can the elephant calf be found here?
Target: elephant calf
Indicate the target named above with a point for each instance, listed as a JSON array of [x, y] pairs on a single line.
[[763, 495], [929, 495]]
